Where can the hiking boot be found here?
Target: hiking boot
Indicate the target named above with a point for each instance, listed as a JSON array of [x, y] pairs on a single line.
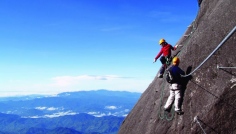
[[160, 75], [179, 112], [167, 109]]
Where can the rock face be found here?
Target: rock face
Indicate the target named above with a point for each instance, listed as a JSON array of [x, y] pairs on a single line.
[[210, 93]]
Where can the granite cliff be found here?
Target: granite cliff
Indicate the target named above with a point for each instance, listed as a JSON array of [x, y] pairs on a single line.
[[209, 101]]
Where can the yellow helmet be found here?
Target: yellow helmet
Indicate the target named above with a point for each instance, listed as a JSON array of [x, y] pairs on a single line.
[[175, 61], [161, 41]]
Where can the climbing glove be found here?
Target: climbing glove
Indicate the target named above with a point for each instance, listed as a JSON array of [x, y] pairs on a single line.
[[154, 60]]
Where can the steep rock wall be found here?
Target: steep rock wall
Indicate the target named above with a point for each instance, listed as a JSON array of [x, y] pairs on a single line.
[[210, 93]]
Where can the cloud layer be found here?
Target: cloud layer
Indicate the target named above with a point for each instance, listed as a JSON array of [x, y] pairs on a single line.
[[58, 84]]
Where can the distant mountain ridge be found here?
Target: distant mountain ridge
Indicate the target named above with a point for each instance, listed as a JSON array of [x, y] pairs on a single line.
[[85, 112], [80, 123], [97, 103]]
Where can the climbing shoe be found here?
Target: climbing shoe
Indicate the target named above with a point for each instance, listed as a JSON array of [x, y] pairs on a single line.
[[179, 112], [167, 109], [160, 76]]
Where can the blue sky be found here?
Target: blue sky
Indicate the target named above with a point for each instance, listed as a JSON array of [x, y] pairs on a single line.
[[53, 46]]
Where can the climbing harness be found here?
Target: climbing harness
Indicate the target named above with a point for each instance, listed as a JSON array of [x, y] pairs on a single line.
[[221, 43], [168, 60], [196, 120]]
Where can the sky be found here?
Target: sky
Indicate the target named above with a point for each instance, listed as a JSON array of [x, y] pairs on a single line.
[[54, 46]]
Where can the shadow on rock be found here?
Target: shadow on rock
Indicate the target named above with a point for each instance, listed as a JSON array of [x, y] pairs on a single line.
[[219, 98], [229, 72], [185, 81]]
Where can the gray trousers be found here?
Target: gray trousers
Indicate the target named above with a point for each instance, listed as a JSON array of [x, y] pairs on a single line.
[[174, 97]]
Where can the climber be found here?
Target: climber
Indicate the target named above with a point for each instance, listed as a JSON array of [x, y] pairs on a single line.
[[176, 93], [166, 58]]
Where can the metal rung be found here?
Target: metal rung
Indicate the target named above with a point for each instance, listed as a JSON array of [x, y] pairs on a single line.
[[218, 67], [196, 120]]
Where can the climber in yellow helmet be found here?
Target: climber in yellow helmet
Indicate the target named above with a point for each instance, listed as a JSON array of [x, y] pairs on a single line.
[[166, 52], [176, 91]]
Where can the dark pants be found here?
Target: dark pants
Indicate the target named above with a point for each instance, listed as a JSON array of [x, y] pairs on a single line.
[[163, 62]]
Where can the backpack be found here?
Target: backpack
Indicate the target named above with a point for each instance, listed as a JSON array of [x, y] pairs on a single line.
[[170, 77]]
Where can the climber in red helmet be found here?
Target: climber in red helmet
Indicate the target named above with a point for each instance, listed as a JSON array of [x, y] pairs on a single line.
[[166, 55]]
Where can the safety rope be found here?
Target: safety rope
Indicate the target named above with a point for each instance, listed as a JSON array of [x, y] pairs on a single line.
[[165, 114], [193, 30], [196, 120], [221, 43], [162, 94], [169, 118]]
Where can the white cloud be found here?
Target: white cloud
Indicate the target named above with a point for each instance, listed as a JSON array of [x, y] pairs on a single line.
[[126, 110], [40, 108], [111, 107], [47, 108], [120, 113], [97, 114], [52, 108], [73, 80], [61, 114], [124, 115], [100, 115], [93, 113], [54, 115], [60, 84], [91, 82], [9, 112]]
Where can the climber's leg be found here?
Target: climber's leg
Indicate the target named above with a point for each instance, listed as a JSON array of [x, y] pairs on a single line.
[[170, 100]]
